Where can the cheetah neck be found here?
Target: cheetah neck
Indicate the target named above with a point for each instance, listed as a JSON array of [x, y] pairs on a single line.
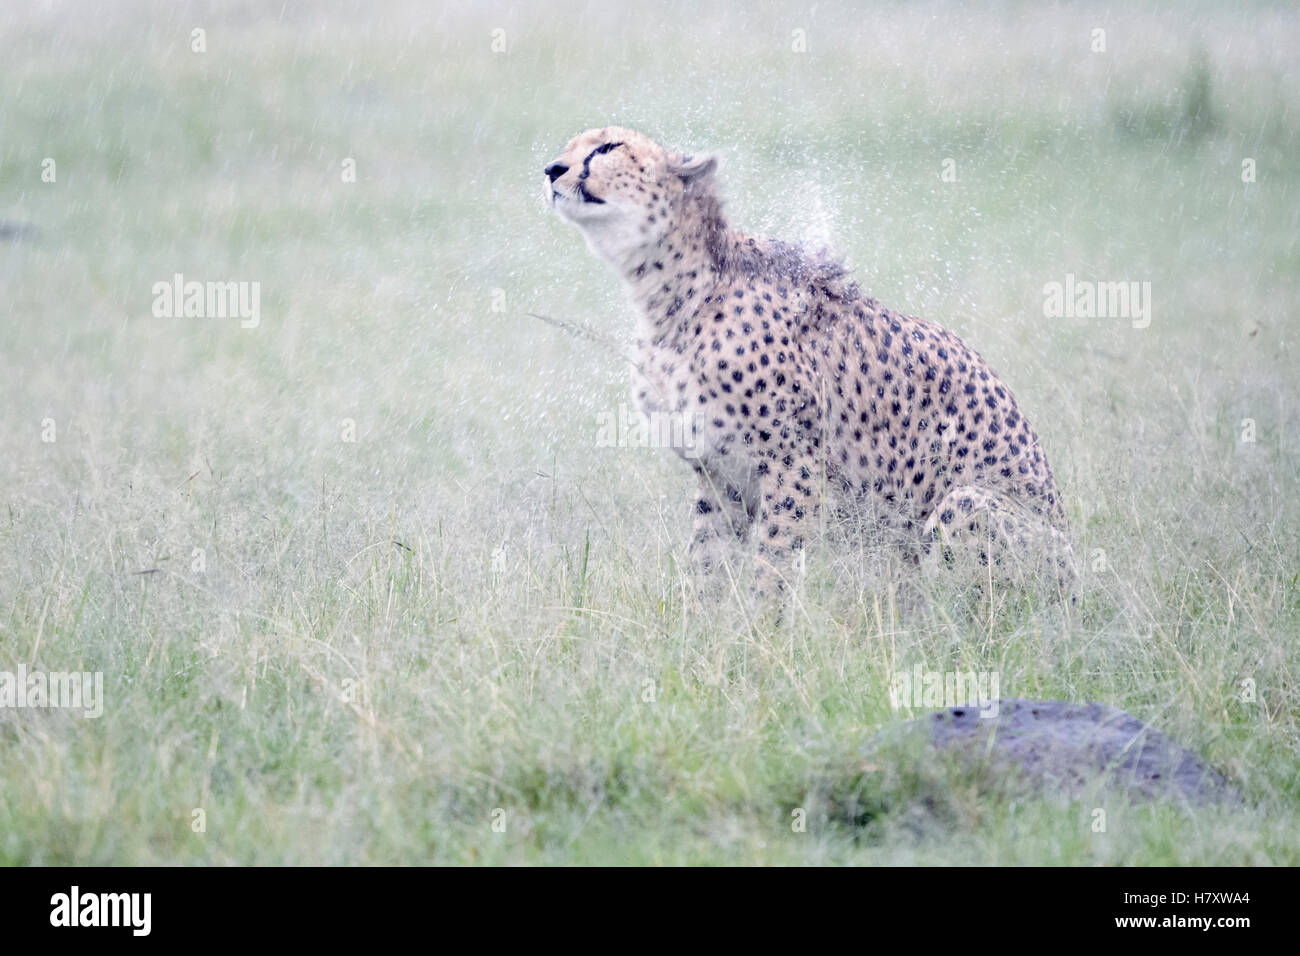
[[671, 280]]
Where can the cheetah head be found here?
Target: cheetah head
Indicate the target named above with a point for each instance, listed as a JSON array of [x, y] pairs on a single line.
[[622, 190]]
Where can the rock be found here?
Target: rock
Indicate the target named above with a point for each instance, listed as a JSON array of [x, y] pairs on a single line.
[[1067, 747]]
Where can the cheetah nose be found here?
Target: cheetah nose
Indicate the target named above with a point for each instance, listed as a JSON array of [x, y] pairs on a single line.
[[555, 170]]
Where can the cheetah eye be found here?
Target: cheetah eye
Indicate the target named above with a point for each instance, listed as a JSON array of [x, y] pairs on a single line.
[[602, 150]]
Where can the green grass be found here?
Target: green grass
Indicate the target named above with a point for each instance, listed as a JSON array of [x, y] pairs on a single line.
[[525, 688]]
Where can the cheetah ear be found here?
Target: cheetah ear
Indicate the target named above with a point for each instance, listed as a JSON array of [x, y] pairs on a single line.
[[694, 167]]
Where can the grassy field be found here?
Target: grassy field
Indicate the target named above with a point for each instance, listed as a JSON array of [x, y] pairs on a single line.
[[361, 582]]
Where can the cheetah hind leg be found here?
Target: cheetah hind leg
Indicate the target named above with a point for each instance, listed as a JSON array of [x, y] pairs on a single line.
[[975, 529]]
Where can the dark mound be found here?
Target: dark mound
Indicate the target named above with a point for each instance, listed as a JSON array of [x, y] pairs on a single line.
[[1068, 747]]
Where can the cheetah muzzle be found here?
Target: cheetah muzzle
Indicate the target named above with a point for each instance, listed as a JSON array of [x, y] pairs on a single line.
[[797, 389]]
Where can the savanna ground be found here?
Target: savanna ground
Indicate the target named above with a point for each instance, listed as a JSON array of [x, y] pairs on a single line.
[[370, 650]]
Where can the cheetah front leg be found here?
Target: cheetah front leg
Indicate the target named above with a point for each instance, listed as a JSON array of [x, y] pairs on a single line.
[[789, 509], [721, 520]]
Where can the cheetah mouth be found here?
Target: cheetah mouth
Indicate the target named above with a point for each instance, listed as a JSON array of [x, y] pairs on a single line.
[[580, 196]]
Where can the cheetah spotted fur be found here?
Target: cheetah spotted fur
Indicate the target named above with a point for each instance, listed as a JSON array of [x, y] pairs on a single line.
[[798, 388]]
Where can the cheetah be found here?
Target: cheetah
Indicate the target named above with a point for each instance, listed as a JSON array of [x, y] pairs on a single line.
[[799, 389]]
